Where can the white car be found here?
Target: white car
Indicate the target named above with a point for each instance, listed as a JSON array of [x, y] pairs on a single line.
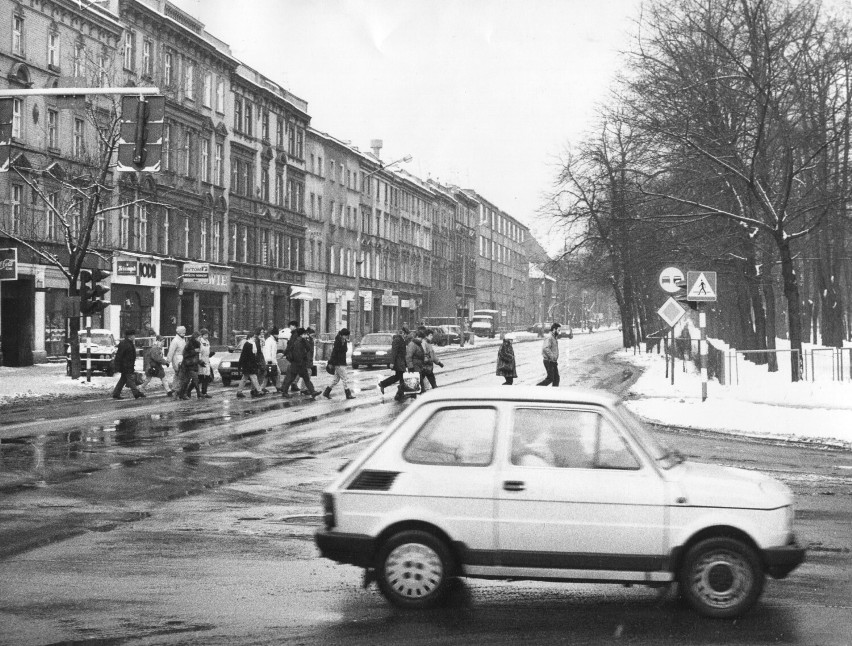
[[102, 350], [551, 484]]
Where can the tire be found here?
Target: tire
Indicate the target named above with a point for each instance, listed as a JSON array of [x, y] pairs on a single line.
[[721, 578], [226, 382], [67, 368], [414, 569], [355, 366], [108, 371]]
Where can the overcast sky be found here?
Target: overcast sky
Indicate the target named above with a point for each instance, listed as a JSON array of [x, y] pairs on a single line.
[[485, 94]]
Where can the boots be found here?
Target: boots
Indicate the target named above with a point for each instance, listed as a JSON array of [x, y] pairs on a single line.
[[349, 394], [327, 392]]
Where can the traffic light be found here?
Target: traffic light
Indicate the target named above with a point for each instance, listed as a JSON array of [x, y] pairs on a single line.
[[6, 106], [91, 293], [141, 136]]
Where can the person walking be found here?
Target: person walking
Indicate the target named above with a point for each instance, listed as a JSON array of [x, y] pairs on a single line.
[[205, 372], [189, 368], [429, 362], [153, 362], [309, 339], [270, 351], [550, 355], [298, 358], [506, 362], [337, 361], [125, 363], [397, 360], [175, 354], [248, 366]]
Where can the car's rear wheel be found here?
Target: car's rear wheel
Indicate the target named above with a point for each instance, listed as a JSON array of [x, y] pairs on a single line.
[[413, 569], [226, 381], [355, 366], [108, 371], [721, 577]]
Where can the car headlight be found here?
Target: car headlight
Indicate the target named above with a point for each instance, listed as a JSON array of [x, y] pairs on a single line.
[[225, 364], [381, 353], [357, 353]]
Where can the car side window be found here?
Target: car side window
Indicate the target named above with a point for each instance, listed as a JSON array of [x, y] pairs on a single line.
[[567, 439], [459, 436]]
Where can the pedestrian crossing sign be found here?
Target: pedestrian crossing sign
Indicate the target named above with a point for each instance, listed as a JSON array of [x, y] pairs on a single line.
[[701, 285]]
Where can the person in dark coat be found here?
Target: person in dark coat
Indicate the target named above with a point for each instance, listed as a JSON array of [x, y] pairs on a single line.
[[397, 359], [299, 361], [309, 338], [125, 363], [506, 362], [248, 366], [189, 368], [338, 362]]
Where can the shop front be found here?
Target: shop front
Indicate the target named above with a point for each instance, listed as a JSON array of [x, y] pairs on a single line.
[[203, 301], [134, 294]]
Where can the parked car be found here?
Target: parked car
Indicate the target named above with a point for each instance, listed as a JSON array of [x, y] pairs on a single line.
[[446, 335], [558, 484], [103, 348], [229, 367], [374, 350]]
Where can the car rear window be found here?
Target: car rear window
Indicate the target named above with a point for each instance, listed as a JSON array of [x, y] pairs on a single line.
[[461, 436], [377, 339]]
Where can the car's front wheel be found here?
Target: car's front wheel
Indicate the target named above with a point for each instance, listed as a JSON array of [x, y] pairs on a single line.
[[721, 577], [414, 569], [355, 366]]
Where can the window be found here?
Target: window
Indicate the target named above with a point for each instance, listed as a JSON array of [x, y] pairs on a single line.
[[244, 246], [279, 189], [142, 227], [218, 168], [568, 439], [79, 126], [205, 160], [207, 99], [248, 121], [18, 35], [189, 79], [187, 150], [291, 141], [300, 143], [50, 220], [52, 129], [203, 249], [167, 220], [129, 37], [17, 110], [238, 114], [79, 59], [264, 247], [217, 241], [279, 133], [264, 127], [102, 70], [264, 184], [100, 228], [166, 151], [17, 207], [439, 440], [167, 69], [186, 236], [232, 252], [147, 57], [220, 95], [124, 227], [53, 49]]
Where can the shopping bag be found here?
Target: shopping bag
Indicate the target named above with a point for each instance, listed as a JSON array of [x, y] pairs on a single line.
[[313, 371], [329, 368], [411, 383]]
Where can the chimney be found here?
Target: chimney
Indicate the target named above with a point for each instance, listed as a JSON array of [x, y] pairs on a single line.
[[376, 145]]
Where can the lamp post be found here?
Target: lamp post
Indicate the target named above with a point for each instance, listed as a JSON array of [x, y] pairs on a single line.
[[358, 259]]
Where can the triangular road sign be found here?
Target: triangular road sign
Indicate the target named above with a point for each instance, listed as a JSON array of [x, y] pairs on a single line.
[[701, 286]]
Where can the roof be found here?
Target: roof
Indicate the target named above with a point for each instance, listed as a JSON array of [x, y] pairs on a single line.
[[521, 393]]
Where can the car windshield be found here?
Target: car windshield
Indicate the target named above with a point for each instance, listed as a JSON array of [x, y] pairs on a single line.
[[377, 339], [101, 339], [660, 453]]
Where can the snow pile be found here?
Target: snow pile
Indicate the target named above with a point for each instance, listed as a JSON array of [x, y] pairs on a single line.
[[763, 405]]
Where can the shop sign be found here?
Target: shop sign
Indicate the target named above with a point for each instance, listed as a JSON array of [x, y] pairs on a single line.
[[406, 304], [137, 271], [217, 280], [197, 270], [125, 268], [390, 301], [8, 264]]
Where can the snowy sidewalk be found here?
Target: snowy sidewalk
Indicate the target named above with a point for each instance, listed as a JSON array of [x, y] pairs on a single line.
[[768, 407]]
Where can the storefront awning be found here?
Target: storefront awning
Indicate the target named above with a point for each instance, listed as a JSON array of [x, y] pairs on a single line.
[[301, 293]]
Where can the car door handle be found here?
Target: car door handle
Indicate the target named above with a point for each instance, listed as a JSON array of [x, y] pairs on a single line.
[[513, 485]]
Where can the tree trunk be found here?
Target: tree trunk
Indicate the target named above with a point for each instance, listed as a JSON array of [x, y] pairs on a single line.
[[794, 310]]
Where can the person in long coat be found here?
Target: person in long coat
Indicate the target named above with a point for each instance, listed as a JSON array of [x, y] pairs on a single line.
[[189, 367], [125, 364], [397, 359], [298, 356], [338, 361], [506, 362], [154, 365], [430, 360], [205, 373], [248, 366]]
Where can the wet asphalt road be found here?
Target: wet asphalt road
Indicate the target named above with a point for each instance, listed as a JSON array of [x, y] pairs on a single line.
[[190, 523]]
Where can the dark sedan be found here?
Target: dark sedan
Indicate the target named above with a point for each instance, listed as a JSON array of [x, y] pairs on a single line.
[[374, 350], [229, 368]]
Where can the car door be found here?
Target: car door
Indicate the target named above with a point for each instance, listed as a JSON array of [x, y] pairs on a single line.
[[575, 494]]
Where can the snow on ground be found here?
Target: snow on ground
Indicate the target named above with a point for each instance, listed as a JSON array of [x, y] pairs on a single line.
[[764, 404]]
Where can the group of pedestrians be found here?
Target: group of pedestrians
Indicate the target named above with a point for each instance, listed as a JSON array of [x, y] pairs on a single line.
[[412, 353], [507, 367]]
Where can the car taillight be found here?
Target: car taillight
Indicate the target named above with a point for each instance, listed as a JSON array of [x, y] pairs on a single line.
[[328, 511]]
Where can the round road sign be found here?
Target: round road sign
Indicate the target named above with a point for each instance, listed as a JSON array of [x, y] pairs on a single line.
[[671, 279]]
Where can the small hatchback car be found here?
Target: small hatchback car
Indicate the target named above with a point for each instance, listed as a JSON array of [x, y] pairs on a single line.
[[551, 484]]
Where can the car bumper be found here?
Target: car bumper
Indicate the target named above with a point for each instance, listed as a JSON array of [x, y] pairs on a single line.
[[780, 561], [370, 360], [352, 549]]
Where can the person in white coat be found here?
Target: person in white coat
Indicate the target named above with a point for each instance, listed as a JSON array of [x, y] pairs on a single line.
[[175, 355]]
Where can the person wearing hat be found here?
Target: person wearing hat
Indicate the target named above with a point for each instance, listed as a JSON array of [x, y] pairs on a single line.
[[270, 350], [248, 366], [337, 361], [175, 354], [308, 337], [205, 373], [297, 355], [125, 363], [153, 365], [550, 355], [397, 360]]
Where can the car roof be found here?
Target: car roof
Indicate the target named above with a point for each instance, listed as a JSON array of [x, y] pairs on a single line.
[[523, 394]]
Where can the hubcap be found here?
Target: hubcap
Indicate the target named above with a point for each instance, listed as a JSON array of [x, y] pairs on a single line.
[[722, 579], [413, 570]]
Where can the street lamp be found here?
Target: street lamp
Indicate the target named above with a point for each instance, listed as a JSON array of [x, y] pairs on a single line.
[[358, 258]]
